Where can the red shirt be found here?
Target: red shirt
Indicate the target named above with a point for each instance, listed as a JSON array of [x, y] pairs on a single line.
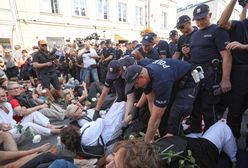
[[15, 103]]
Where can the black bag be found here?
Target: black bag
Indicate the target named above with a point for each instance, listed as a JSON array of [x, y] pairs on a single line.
[[90, 152], [25, 100]]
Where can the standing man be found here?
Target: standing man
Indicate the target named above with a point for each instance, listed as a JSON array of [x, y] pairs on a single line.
[[184, 42], [157, 81], [173, 43], [46, 68], [208, 50], [160, 45], [238, 31]]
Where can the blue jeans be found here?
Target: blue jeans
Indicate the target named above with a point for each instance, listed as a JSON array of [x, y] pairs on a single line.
[[86, 73]]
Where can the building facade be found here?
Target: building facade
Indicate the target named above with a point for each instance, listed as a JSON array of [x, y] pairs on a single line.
[[216, 7], [24, 22]]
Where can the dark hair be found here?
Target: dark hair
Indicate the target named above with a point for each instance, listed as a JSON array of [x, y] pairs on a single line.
[[70, 137], [24, 51]]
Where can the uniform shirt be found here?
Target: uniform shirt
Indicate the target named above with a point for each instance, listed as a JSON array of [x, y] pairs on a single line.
[[153, 54], [239, 32], [118, 53], [182, 41], [163, 48], [119, 85], [207, 43], [40, 58], [163, 74], [172, 48]]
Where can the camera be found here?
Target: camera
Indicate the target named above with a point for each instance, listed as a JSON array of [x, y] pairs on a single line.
[[243, 2], [52, 54]]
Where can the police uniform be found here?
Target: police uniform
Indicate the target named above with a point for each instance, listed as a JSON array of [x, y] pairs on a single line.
[[206, 45], [185, 40], [239, 80], [153, 54], [47, 74], [163, 48], [119, 86]]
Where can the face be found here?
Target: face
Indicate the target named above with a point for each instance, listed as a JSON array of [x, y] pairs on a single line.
[[204, 22], [43, 47], [140, 82], [185, 27], [147, 47], [14, 89], [3, 97]]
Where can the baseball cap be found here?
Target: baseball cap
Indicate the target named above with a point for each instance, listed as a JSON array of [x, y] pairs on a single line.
[[126, 62], [200, 11], [130, 75], [42, 42], [182, 20], [113, 68], [173, 33], [147, 39], [152, 34], [243, 2]]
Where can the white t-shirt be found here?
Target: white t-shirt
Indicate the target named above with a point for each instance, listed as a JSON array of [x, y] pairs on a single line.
[[87, 58]]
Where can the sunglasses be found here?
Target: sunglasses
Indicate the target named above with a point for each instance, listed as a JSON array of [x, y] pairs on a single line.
[[43, 45], [181, 27]]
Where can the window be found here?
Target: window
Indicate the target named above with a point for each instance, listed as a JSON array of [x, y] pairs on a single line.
[[79, 7], [139, 15], [49, 6], [164, 20], [122, 12], [102, 10]]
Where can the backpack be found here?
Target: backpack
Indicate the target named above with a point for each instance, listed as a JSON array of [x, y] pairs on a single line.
[[90, 152]]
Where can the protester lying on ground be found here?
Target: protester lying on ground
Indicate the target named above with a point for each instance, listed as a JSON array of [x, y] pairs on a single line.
[[205, 150], [94, 133]]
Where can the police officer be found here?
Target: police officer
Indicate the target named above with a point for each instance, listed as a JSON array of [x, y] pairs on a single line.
[[107, 55], [238, 31], [46, 68], [183, 46], [208, 46], [161, 46], [114, 78], [173, 43], [157, 81], [146, 50]]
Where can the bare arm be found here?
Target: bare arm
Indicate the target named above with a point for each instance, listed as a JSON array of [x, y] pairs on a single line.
[[23, 111], [129, 104], [154, 122], [226, 70], [176, 55], [226, 14], [42, 65], [7, 155], [101, 99], [242, 15], [142, 101]]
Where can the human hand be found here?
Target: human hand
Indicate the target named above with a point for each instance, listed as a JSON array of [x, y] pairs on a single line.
[[225, 85], [49, 64], [235, 45]]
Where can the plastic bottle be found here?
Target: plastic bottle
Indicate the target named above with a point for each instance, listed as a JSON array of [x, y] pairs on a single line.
[[60, 146]]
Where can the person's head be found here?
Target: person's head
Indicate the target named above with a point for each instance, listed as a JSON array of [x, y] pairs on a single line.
[[136, 76], [147, 43], [184, 24], [134, 154], [14, 88], [108, 43], [24, 52], [42, 44], [17, 47], [174, 36], [243, 3], [134, 43], [87, 45], [155, 37], [202, 16], [114, 70], [126, 62], [3, 97], [70, 137]]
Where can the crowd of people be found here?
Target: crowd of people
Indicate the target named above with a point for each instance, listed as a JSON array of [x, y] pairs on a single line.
[[134, 104]]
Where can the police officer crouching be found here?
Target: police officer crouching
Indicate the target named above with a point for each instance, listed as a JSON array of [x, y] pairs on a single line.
[[45, 64]]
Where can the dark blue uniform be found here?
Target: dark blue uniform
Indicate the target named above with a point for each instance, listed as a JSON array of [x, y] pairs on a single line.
[[119, 86], [172, 48], [166, 76], [163, 74], [206, 45], [239, 80], [153, 54], [185, 40], [163, 48]]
